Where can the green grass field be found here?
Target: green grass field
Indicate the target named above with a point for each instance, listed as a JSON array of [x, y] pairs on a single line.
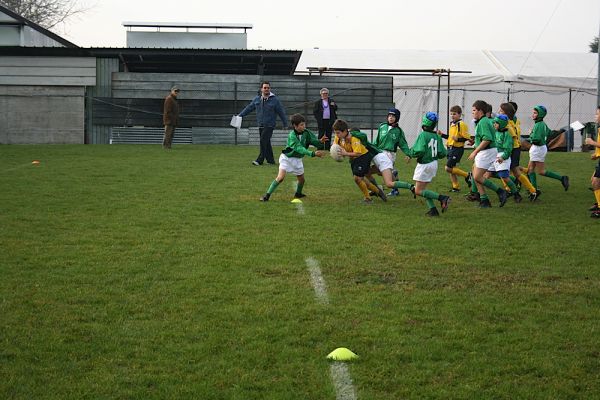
[[131, 272]]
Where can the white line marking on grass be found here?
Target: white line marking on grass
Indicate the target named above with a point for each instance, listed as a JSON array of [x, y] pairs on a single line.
[[317, 280], [344, 389]]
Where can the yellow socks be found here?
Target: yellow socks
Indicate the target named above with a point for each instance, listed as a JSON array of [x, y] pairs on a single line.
[[525, 182], [459, 172]]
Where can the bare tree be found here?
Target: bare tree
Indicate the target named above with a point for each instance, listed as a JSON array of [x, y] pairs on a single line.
[[594, 45], [47, 13]]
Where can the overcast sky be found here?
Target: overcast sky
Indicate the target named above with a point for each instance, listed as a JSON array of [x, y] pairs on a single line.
[[521, 25]]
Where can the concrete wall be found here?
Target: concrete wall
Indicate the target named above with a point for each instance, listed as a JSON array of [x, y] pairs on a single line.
[[41, 115], [42, 99]]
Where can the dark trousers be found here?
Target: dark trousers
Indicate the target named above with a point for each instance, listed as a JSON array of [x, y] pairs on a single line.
[[266, 151], [168, 138], [326, 130]]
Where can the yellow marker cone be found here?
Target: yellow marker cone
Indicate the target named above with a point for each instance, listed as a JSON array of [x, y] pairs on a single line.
[[342, 354], [35, 162], [296, 201]]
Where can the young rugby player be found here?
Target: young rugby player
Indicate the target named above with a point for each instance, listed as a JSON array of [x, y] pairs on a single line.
[[428, 148], [389, 138], [515, 156], [457, 136], [290, 160], [485, 154], [504, 144], [356, 146], [538, 150]]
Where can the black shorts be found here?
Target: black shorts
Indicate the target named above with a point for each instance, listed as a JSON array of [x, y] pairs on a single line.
[[454, 156], [361, 165], [597, 172], [515, 157]]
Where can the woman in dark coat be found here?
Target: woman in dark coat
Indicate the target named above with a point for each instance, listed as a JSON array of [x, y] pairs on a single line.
[[325, 112]]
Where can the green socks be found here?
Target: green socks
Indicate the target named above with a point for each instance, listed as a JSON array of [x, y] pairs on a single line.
[[512, 186], [491, 185], [402, 185], [299, 187], [553, 175], [430, 194], [273, 186], [533, 179]]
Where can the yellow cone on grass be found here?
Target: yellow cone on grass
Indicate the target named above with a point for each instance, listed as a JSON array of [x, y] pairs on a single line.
[[342, 354], [296, 201]]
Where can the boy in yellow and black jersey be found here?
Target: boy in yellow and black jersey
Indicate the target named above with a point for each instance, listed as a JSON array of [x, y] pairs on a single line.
[[457, 136], [356, 146]]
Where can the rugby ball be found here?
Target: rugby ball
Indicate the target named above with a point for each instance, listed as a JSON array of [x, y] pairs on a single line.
[[335, 152]]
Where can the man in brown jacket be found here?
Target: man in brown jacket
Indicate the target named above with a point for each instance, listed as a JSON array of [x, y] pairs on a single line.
[[170, 117]]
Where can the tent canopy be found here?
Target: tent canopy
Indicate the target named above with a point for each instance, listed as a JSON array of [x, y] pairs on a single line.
[[560, 70]]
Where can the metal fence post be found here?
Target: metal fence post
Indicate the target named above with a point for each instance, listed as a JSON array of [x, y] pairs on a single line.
[[437, 110], [569, 134], [235, 107], [448, 106], [372, 111]]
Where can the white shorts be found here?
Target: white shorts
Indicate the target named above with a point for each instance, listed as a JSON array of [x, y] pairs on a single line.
[[291, 165], [537, 153], [425, 172], [485, 159], [391, 155], [382, 162], [503, 166]]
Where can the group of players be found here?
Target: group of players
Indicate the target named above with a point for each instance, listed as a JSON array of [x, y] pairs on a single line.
[[496, 154]]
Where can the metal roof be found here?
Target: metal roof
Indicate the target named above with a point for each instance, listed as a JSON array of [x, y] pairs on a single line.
[[186, 25], [24, 21], [203, 61]]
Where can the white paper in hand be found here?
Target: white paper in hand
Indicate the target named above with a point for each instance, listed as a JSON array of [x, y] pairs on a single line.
[[577, 126], [236, 121]]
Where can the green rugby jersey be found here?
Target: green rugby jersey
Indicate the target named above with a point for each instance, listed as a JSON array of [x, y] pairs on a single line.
[[389, 138], [484, 130], [428, 147], [297, 144]]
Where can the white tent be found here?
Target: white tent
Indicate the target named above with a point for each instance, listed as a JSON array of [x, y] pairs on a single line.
[[566, 83]]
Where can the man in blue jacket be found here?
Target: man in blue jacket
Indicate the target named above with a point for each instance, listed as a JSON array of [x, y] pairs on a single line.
[[267, 106]]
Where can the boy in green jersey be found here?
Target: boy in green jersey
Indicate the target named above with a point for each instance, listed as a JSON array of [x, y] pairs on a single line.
[[537, 151], [389, 138], [428, 148], [485, 154], [504, 144], [514, 130], [290, 160]]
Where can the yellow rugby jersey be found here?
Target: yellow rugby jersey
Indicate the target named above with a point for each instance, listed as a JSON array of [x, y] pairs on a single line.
[[597, 151], [515, 132], [459, 129], [354, 145]]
